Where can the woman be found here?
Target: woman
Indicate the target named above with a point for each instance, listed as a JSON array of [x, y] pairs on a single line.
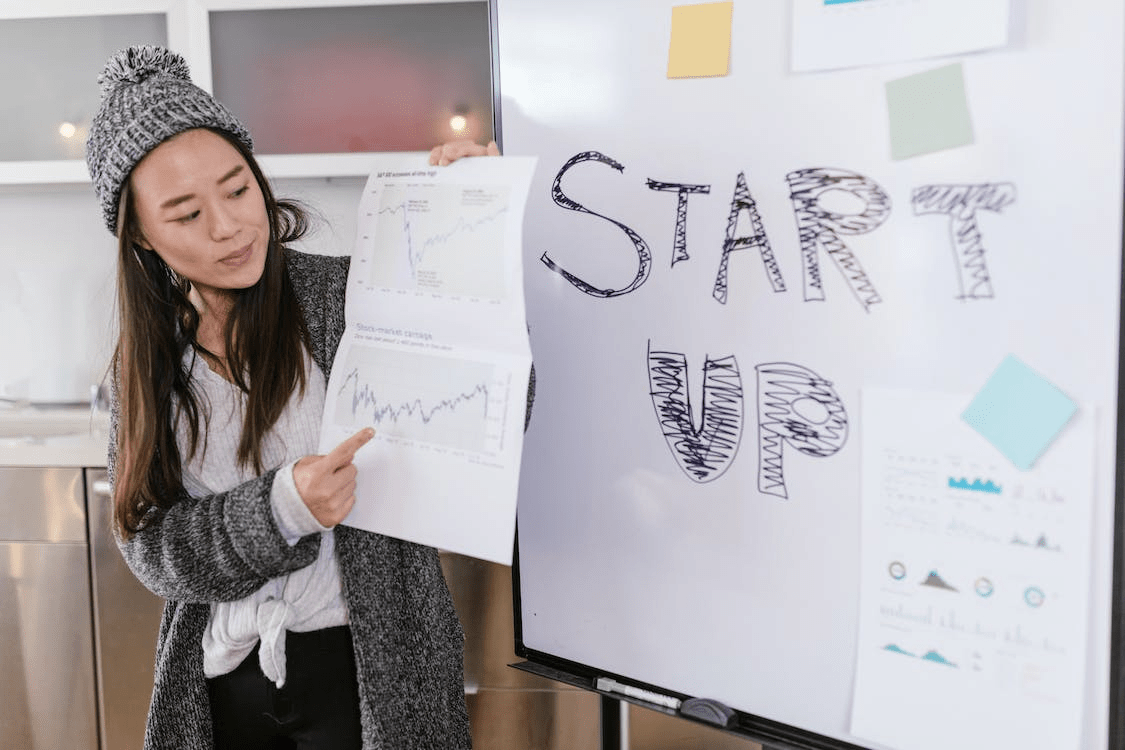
[[281, 629]]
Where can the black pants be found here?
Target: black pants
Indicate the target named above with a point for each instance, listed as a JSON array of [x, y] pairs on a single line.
[[317, 708]]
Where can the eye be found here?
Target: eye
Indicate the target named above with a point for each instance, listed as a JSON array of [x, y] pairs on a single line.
[[240, 191], [190, 217]]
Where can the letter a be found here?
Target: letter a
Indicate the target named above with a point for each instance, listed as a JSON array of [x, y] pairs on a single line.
[[744, 201]]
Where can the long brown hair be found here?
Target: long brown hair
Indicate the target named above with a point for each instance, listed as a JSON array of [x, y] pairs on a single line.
[[265, 337]]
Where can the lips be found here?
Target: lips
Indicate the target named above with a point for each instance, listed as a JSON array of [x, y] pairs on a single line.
[[238, 257]]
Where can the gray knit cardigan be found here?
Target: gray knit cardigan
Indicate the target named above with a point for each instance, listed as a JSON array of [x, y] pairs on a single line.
[[408, 640]]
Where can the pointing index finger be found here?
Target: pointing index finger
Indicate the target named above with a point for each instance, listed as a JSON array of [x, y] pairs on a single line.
[[343, 453]]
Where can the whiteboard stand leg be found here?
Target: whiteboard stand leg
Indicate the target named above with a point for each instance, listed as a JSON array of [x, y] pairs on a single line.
[[615, 724]]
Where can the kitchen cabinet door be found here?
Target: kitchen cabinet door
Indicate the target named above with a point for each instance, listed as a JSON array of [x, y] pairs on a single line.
[[48, 88]]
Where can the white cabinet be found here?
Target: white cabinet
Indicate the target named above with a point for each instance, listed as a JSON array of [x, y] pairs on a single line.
[[48, 88], [319, 83]]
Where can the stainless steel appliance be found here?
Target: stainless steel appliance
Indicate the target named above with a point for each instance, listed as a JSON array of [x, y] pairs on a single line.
[[126, 619], [77, 631], [46, 637]]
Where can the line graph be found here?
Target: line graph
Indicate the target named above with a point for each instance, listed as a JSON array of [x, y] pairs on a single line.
[[454, 403], [444, 239]]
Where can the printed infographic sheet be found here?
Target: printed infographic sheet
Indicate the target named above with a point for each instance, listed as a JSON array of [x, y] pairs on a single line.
[[975, 582], [435, 356], [829, 34]]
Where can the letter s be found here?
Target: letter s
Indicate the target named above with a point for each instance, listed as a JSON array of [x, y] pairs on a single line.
[[644, 255]]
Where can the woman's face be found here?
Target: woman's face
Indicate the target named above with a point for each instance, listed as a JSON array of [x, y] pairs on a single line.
[[201, 210]]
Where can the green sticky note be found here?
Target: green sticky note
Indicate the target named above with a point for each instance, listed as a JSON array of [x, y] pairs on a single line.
[[928, 112], [1019, 412]]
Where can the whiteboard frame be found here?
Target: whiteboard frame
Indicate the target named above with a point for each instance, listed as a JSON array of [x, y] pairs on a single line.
[[1117, 607]]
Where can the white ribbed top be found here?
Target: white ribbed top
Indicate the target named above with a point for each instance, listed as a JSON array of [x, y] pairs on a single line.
[[307, 599]]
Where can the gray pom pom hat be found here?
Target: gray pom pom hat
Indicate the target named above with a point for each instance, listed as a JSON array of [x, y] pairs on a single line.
[[147, 97]]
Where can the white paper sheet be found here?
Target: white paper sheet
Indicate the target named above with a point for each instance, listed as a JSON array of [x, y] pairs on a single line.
[[974, 584], [436, 356], [829, 34]]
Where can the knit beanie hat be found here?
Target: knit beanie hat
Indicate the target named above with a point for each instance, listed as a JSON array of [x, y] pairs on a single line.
[[147, 97]]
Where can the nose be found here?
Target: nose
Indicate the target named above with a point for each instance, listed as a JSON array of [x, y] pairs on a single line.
[[223, 224]]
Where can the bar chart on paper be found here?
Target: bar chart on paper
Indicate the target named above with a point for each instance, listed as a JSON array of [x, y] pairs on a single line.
[[440, 238]]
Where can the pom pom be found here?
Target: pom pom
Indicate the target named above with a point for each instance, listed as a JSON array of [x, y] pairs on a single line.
[[137, 64]]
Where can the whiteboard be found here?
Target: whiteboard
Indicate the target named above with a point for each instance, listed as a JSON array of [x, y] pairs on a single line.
[[690, 574]]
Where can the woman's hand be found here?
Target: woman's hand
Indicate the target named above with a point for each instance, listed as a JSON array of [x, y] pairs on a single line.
[[447, 153], [327, 483]]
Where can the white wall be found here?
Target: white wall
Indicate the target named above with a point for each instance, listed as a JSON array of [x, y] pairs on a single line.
[[56, 292]]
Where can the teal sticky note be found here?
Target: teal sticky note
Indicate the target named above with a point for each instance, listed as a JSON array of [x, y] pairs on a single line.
[[928, 112], [1019, 412]]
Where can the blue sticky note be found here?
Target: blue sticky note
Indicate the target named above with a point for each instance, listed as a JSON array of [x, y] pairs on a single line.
[[1019, 412]]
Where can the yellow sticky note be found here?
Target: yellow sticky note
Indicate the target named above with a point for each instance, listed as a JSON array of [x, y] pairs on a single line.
[[700, 43]]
